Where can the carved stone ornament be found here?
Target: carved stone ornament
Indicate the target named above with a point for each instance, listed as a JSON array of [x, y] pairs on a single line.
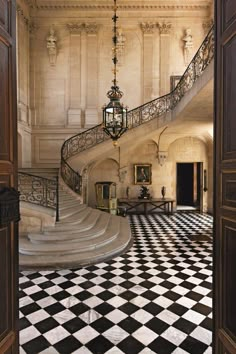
[[147, 27], [75, 28], [162, 157], [91, 28], [207, 26], [52, 46], [165, 27], [188, 46]]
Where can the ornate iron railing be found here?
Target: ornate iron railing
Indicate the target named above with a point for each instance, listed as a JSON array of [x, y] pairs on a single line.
[[139, 115], [39, 190]]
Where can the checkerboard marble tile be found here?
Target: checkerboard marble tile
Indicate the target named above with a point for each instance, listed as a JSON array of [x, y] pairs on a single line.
[[156, 298]]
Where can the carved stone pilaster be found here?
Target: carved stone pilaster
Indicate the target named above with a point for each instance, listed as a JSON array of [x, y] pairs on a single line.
[[165, 27], [75, 28], [147, 27], [207, 26], [91, 28]]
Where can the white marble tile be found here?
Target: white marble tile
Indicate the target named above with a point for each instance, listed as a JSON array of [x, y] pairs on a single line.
[[200, 290], [156, 280], [159, 290], [50, 350], [115, 334], [26, 300], [174, 336], [193, 316], [70, 301], [46, 301], [82, 350], [90, 316], [144, 335], [163, 301], [116, 301], [206, 301], [185, 301], [142, 316], [86, 334], [56, 334], [202, 334], [168, 317], [116, 316], [175, 280], [64, 316], [180, 290], [28, 333], [114, 350], [37, 316], [32, 289], [93, 301], [139, 301]]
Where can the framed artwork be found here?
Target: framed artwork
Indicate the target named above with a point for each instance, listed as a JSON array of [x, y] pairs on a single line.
[[174, 81], [142, 173]]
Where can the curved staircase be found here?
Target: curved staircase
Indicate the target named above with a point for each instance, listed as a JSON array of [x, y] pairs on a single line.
[[82, 236]]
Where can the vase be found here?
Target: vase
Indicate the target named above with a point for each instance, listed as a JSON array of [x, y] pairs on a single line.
[[163, 192]]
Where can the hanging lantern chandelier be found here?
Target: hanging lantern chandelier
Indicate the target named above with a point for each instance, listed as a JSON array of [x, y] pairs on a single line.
[[115, 114]]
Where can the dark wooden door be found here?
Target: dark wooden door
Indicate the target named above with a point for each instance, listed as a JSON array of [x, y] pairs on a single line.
[[8, 178], [225, 179]]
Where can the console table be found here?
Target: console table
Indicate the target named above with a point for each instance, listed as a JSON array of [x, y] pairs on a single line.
[[165, 204]]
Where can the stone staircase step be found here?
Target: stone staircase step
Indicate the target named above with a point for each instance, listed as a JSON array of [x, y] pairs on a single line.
[[87, 223], [98, 229], [75, 246], [122, 242], [66, 213]]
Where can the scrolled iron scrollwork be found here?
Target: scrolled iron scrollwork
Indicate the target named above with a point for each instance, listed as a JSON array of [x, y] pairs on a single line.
[[38, 190], [139, 115]]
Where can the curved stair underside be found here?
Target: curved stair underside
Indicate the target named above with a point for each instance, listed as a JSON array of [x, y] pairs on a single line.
[[82, 236]]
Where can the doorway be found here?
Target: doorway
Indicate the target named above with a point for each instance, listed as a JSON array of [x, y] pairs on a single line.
[[188, 188]]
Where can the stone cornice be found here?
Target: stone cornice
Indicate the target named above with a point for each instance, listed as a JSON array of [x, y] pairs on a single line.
[[70, 5]]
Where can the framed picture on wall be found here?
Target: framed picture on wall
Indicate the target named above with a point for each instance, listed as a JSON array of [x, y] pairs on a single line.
[[142, 173]]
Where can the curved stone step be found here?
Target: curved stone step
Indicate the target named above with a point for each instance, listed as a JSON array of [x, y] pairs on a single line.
[[71, 211], [98, 229], [86, 223], [72, 203], [120, 244], [74, 246]]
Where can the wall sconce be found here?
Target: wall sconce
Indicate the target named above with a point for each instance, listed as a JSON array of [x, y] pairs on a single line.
[[205, 181], [162, 157]]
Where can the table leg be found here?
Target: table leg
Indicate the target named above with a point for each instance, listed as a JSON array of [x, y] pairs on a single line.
[[145, 208]]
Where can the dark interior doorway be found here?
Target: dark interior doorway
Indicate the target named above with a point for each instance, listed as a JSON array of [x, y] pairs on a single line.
[[189, 181]]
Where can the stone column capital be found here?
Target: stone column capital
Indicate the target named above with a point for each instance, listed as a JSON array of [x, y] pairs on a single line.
[[91, 28], [147, 27], [75, 28], [165, 27], [207, 25]]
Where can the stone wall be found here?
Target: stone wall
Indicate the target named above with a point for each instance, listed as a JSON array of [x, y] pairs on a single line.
[[65, 67], [186, 149]]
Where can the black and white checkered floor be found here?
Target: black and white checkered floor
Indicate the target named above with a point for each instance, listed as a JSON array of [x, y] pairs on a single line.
[[156, 298]]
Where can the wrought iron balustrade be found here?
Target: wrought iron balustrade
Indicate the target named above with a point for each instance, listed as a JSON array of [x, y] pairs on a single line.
[[139, 115], [39, 190]]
